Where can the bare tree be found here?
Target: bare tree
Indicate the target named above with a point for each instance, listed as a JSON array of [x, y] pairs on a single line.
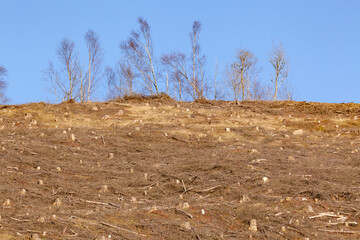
[[218, 88], [120, 81], [286, 91], [138, 49], [177, 64], [258, 91], [233, 77], [241, 74], [3, 85], [64, 82], [111, 81], [81, 78], [246, 67], [280, 62], [127, 77], [198, 62], [95, 54], [190, 70], [215, 79], [178, 82]]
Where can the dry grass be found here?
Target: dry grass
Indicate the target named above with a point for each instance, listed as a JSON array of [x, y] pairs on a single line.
[[165, 157]]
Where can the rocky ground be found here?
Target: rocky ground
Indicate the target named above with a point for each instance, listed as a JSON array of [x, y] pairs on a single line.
[[153, 168]]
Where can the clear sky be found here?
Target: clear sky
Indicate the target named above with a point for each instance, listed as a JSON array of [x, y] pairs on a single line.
[[322, 38]]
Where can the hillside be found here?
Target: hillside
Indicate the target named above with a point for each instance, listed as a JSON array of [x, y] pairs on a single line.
[[153, 168]]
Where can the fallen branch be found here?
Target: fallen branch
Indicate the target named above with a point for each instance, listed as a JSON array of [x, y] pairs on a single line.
[[162, 190], [103, 140], [20, 220], [94, 202], [197, 236], [74, 234], [15, 168], [339, 231], [101, 203], [122, 229], [179, 139], [184, 213], [184, 186], [208, 189], [326, 214]]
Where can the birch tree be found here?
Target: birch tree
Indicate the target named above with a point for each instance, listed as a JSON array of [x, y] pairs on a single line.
[[177, 64], [120, 81], [245, 65], [280, 62], [64, 82], [3, 85], [198, 62], [218, 84], [95, 54], [242, 74], [138, 49], [233, 77], [189, 70]]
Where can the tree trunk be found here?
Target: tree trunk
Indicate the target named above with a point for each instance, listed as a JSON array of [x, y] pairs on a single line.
[[89, 86], [167, 84], [194, 67]]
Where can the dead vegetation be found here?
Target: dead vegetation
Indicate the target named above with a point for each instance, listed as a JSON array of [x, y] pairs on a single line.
[[152, 168]]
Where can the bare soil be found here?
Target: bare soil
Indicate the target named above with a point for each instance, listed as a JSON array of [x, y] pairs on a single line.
[[153, 168]]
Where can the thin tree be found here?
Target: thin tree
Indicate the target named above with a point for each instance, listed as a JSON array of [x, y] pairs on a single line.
[[246, 67], [198, 62], [64, 82], [218, 88], [3, 85], [233, 77], [286, 91], [110, 76], [138, 49], [120, 81], [280, 62], [216, 94], [127, 77], [81, 76], [95, 54], [177, 64], [192, 69], [178, 82]]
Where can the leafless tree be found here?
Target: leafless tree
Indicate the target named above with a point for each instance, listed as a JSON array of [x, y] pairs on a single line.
[[64, 82], [95, 54], [233, 77], [3, 85], [189, 70], [258, 91], [127, 77], [81, 79], [280, 62], [111, 81], [215, 83], [177, 64], [242, 73], [198, 62], [120, 81], [138, 49], [177, 81], [246, 67], [218, 88], [286, 91]]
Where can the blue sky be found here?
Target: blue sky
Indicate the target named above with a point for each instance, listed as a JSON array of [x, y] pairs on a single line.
[[322, 38]]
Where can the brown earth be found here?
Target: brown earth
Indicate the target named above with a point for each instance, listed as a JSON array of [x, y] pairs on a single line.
[[153, 168]]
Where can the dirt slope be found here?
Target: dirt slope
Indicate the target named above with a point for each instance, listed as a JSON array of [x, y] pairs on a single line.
[[156, 169]]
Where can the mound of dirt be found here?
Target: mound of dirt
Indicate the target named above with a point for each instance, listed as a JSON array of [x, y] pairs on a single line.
[[137, 98]]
